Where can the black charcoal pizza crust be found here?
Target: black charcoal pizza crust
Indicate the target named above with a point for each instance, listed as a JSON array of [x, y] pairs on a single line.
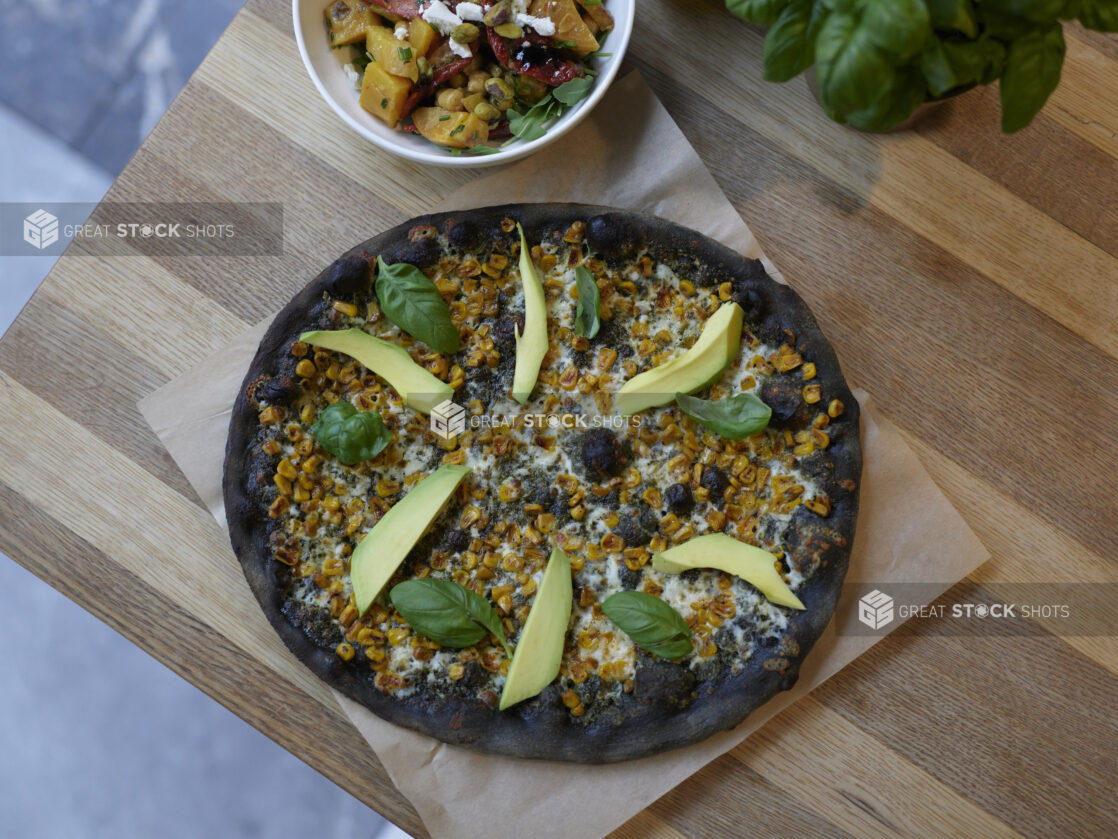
[[668, 707]]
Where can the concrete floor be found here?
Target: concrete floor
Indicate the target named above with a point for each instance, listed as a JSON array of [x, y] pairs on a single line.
[[97, 739]]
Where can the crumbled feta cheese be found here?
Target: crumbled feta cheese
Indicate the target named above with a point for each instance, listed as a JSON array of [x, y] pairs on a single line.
[[470, 11], [544, 25], [461, 50], [519, 6], [401, 31], [441, 17], [353, 76]]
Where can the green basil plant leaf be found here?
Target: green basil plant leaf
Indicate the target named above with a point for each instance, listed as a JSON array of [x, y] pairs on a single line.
[[1034, 11], [1032, 71], [735, 418], [650, 622], [936, 67], [904, 95], [350, 435], [1100, 15], [447, 613], [852, 72], [899, 27], [760, 12], [588, 314], [413, 303], [973, 62], [790, 43], [953, 14]]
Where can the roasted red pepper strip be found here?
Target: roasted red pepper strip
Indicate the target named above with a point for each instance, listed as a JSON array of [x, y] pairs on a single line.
[[549, 68], [404, 8], [439, 76]]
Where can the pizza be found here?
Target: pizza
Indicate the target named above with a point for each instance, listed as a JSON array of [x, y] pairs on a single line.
[[548, 481]]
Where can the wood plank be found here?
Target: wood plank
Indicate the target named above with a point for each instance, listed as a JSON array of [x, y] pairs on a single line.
[[92, 381], [1028, 163], [727, 798], [819, 757], [318, 733], [961, 725], [205, 573]]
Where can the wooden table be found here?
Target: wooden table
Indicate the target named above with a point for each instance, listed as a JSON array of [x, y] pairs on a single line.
[[967, 279]]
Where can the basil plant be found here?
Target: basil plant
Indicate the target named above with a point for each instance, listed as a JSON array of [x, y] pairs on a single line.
[[876, 61]]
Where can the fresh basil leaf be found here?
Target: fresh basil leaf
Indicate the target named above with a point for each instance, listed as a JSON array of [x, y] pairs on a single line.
[[852, 72], [760, 12], [572, 92], [588, 314], [350, 435], [937, 69], [412, 302], [953, 14], [1033, 11], [447, 613], [1032, 71], [899, 27], [904, 95], [735, 418], [673, 649], [1100, 15], [790, 43], [971, 62], [650, 622]]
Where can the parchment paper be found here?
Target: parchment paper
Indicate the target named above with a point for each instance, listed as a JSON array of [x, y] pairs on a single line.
[[628, 154]]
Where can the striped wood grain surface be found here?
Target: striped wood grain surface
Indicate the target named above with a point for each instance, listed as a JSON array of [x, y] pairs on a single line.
[[968, 280]]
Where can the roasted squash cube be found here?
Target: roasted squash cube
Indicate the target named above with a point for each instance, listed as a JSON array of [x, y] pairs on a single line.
[[569, 25], [349, 21], [453, 129], [383, 95], [393, 55], [422, 35]]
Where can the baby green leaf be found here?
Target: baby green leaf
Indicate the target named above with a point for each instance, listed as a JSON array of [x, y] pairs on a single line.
[[447, 613], [350, 435], [735, 418], [574, 91], [412, 302], [588, 314], [650, 622], [1032, 71]]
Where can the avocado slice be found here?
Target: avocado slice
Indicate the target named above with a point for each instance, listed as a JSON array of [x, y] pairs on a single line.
[[531, 346], [698, 367], [382, 549], [539, 650], [418, 388], [725, 553]]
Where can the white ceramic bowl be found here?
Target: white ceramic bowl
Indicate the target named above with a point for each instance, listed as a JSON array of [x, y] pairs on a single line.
[[325, 67]]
